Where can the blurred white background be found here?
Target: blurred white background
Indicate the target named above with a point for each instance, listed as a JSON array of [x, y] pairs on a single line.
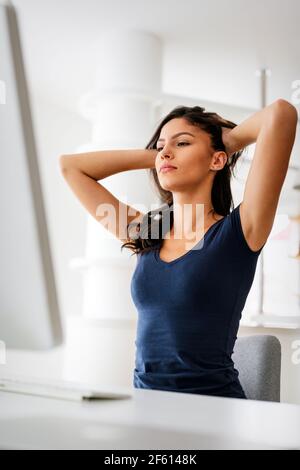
[[211, 52]]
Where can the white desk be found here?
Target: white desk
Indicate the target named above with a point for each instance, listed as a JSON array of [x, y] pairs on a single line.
[[150, 420]]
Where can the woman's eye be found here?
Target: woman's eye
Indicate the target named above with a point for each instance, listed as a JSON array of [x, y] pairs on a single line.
[[160, 148], [183, 143]]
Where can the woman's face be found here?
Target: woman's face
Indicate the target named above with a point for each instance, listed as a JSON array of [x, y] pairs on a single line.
[[190, 154]]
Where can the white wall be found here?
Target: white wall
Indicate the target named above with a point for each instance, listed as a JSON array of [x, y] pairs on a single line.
[[59, 132]]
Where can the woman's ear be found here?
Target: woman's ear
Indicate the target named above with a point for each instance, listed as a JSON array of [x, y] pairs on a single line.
[[219, 160]]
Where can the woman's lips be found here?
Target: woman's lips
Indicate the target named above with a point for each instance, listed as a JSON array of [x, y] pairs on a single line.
[[167, 168]]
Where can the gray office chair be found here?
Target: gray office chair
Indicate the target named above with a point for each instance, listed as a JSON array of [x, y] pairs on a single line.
[[258, 360]]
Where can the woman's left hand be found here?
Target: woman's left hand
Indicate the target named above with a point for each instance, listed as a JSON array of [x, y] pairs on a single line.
[[227, 141]]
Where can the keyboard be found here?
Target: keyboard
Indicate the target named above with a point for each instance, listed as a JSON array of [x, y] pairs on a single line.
[[63, 390]]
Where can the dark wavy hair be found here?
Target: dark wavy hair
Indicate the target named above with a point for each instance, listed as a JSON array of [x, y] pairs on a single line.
[[149, 233]]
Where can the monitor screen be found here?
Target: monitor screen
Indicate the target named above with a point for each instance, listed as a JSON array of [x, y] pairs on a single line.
[[29, 310]]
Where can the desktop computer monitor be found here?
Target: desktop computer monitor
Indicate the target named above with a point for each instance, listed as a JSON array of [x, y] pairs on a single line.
[[29, 311]]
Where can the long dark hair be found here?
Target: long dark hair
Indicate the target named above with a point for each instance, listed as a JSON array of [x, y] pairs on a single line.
[[148, 235]]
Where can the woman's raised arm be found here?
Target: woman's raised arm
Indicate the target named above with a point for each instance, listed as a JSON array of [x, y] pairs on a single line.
[[82, 172], [104, 163]]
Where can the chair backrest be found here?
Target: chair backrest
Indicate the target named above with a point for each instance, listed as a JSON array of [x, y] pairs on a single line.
[[258, 361]]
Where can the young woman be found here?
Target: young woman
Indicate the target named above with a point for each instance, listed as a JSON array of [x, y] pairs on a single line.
[[190, 298]]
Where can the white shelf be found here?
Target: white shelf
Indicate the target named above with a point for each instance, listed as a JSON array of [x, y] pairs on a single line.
[[268, 320]]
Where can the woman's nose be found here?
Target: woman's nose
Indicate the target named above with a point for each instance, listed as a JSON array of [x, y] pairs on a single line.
[[165, 153]]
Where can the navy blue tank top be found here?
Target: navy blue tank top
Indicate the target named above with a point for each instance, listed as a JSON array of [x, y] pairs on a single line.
[[189, 311]]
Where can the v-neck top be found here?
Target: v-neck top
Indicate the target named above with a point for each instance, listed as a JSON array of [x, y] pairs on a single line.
[[197, 246], [189, 311]]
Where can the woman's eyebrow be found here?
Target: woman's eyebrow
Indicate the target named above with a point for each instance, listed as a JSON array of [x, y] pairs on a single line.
[[176, 135]]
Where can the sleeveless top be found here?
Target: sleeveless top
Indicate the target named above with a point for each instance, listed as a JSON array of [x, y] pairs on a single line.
[[189, 311]]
